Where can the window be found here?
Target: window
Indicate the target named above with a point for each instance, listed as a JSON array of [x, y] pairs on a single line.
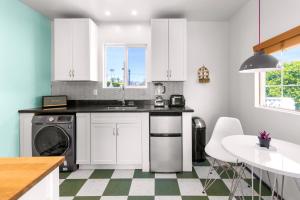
[[281, 89], [124, 65]]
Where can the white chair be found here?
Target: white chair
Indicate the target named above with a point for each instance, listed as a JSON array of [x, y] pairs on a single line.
[[225, 126]]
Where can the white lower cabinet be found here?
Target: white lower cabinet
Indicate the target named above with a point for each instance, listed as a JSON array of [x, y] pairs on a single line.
[[129, 144], [103, 143], [113, 139]]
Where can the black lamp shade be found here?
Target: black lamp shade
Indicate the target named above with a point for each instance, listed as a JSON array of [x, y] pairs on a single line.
[[260, 62]]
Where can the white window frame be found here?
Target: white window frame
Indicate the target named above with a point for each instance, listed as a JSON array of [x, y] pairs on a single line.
[[260, 79], [126, 64]]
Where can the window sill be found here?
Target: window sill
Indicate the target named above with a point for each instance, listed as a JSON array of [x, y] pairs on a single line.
[[279, 110]]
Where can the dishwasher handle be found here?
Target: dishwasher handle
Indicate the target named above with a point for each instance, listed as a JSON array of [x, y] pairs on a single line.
[[166, 135]]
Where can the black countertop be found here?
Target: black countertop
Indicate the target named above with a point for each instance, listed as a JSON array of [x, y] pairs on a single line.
[[84, 107]]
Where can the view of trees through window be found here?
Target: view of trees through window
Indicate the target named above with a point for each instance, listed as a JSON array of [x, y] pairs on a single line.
[[282, 87], [125, 66]]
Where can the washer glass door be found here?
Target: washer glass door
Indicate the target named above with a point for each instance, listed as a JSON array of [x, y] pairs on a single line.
[[51, 141]]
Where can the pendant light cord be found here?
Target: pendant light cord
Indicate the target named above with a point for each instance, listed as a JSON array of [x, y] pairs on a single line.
[[259, 21]]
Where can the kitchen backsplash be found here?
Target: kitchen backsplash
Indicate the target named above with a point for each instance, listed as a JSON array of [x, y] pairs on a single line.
[[85, 91]]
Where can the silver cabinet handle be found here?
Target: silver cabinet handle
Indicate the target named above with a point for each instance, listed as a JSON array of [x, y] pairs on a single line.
[[170, 73], [117, 131], [70, 74], [73, 73], [114, 131], [167, 73]]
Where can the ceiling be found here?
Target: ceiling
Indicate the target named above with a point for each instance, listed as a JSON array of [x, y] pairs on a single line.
[[120, 10]]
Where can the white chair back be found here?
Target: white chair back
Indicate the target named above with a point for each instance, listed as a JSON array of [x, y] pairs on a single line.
[[225, 126]]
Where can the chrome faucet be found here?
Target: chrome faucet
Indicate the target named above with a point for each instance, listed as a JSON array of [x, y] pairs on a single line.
[[123, 95]]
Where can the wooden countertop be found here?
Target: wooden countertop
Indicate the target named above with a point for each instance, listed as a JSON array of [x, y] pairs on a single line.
[[18, 175]]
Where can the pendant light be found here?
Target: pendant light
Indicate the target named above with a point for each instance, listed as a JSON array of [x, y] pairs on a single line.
[[260, 61]]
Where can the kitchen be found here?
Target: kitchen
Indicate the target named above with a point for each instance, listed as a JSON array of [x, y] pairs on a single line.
[[125, 84]]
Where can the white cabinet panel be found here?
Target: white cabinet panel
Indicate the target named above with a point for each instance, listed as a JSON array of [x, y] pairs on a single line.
[[159, 46], [177, 49], [129, 143], [168, 49], [63, 47], [26, 134], [83, 138], [75, 50], [103, 144]]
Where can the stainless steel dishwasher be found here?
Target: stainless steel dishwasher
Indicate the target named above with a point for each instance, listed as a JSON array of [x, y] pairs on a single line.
[[165, 142]]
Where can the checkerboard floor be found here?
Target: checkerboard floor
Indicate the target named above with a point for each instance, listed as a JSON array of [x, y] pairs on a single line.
[[137, 185]]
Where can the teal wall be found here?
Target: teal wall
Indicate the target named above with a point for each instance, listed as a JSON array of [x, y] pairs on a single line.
[[25, 67]]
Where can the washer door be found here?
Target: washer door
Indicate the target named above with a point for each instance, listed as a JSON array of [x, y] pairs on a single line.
[[51, 141]]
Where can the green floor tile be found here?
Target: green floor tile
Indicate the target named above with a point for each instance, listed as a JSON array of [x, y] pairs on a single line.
[[138, 173], [64, 175], [87, 198], [218, 188], [265, 191], [102, 173], [166, 187], [224, 175], [194, 198], [204, 163], [140, 198], [191, 174], [70, 187], [117, 187]]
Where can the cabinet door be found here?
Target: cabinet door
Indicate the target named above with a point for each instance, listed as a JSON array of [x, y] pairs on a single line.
[[177, 49], [83, 138], [81, 50], [63, 45], [159, 46], [103, 143], [129, 144]]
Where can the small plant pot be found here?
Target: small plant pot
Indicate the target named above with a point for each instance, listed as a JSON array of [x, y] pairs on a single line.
[[264, 143]]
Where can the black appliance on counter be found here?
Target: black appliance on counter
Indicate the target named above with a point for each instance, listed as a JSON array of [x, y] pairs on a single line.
[[57, 101], [176, 100]]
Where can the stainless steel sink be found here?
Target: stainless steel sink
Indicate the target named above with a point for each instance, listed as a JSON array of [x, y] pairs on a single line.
[[122, 107]]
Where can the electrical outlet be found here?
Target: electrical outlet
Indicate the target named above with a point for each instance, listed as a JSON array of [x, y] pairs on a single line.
[[95, 92]]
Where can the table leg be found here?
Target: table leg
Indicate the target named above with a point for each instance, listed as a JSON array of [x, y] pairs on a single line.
[[282, 185], [274, 186], [252, 182], [260, 178]]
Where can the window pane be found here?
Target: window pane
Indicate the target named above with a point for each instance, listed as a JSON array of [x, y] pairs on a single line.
[[273, 78], [136, 66], [291, 73], [273, 91], [115, 59], [293, 94]]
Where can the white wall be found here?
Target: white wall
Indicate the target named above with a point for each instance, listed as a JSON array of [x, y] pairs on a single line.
[[125, 33], [277, 16], [208, 45]]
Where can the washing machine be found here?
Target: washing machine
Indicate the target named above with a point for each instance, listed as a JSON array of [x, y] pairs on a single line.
[[55, 135]]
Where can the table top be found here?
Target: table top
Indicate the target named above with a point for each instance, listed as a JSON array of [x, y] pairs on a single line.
[[18, 175], [281, 158]]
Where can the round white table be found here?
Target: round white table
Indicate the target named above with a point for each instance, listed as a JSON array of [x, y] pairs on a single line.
[[282, 158]]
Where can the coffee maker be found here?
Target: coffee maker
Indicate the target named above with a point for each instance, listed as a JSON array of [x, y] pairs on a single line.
[[160, 89]]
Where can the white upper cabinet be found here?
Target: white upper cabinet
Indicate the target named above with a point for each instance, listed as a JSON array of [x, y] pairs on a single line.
[[75, 50], [168, 43]]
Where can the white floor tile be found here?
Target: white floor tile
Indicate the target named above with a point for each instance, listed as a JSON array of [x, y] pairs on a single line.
[[219, 198], [61, 180], [122, 173], [80, 174], [66, 198], [190, 187], [202, 172], [168, 198], [165, 175], [113, 198], [93, 187], [142, 187], [242, 189]]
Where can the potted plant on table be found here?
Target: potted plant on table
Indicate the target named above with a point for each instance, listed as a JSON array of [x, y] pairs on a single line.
[[264, 139]]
